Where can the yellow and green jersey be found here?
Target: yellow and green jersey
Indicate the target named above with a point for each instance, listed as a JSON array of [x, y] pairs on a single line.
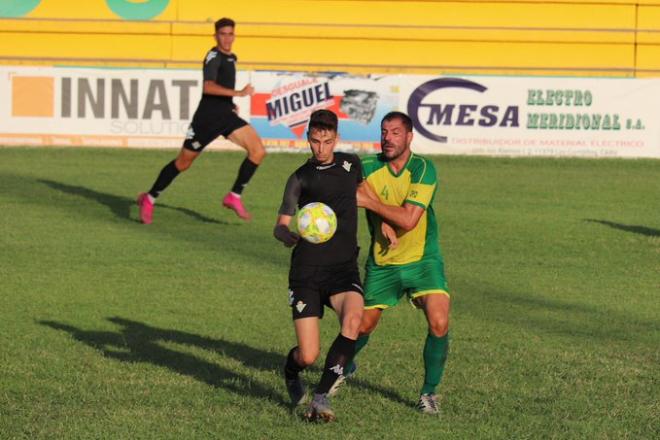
[[416, 184]]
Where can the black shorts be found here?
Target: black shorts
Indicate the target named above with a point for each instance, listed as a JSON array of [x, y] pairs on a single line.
[[205, 129], [310, 287]]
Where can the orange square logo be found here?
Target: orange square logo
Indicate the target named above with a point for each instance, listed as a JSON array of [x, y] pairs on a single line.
[[33, 96]]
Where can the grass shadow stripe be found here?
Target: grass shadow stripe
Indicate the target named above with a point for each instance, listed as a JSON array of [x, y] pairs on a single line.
[[119, 205], [140, 343]]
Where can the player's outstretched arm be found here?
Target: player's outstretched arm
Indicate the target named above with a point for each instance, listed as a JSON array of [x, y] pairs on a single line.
[[283, 233]]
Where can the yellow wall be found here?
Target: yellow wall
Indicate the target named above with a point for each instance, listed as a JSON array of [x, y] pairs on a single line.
[[579, 37]]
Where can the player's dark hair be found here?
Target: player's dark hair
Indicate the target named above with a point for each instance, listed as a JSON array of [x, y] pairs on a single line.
[[323, 120], [224, 21], [404, 118]]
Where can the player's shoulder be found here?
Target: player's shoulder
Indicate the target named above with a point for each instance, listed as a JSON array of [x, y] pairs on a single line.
[[212, 54], [341, 156], [305, 166], [417, 161], [422, 167], [215, 53], [370, 158], [371, 163]]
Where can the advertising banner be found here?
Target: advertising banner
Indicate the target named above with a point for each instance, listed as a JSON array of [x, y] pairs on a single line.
[[506, 116], [282, 104], [102, 107], [496, 116]]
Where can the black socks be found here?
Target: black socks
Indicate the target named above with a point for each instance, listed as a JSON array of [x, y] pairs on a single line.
[[245, 173], [340, 353], [166, 176]]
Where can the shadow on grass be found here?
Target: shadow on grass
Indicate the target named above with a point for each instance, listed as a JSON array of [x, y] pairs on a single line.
[[137, 342], [120, 206], [142, 342], [644, 230]]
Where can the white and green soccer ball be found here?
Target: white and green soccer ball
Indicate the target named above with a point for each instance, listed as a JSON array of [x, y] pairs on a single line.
[[317, 222]]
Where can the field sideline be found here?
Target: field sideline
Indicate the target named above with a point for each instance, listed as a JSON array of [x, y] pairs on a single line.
[[112, 329]]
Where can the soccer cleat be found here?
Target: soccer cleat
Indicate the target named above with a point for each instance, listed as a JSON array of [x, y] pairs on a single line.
[[428, 404], [296, 389], [341, 380], [146, 208], [319, 410], [234, 202]]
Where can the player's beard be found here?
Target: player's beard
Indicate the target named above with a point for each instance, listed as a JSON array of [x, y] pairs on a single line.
[[397, 152]]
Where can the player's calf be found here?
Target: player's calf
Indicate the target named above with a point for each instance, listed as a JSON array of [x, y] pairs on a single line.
[[294, 384]]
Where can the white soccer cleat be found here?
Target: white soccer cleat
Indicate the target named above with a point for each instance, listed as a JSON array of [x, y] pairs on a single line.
[[428, 404]]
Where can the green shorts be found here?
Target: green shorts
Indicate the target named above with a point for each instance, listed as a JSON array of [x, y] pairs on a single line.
[[385, 285]]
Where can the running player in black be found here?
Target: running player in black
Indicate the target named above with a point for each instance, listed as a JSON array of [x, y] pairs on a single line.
[[215, 116], [323, 274]]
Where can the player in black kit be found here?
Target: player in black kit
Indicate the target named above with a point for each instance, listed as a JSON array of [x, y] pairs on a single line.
[[324, 274], [215, 116]]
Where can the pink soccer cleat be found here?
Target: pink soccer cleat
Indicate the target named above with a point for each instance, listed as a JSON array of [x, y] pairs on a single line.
[[234, 202], [146, 208]]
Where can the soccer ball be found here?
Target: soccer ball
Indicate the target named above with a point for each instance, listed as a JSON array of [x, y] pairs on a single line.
[[317, 222]]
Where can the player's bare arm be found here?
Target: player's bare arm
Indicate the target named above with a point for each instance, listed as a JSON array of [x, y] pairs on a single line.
[[365, 191], [390, 234], [405, 217]]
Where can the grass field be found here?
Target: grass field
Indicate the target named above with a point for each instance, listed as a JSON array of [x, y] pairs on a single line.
[[178, 330]]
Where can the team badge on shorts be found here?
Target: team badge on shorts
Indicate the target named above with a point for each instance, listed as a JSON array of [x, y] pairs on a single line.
[[190, 133]]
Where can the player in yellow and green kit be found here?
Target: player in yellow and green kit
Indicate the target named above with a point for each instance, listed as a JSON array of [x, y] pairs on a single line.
[[405, 257]]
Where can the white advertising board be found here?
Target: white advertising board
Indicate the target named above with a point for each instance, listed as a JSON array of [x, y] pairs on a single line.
[[506, 116], [101, 107], [498, 116]]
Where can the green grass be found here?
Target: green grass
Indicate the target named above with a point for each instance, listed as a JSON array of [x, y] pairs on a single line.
[[113, 329]]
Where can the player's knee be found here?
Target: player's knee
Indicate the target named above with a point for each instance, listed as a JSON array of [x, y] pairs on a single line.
[[182, 164], [438, 324], [308, 357], [368, 325], [351, 324], [257, 154]]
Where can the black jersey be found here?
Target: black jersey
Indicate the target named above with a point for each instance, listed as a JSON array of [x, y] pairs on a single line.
[[220, 68], [334, 184]]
